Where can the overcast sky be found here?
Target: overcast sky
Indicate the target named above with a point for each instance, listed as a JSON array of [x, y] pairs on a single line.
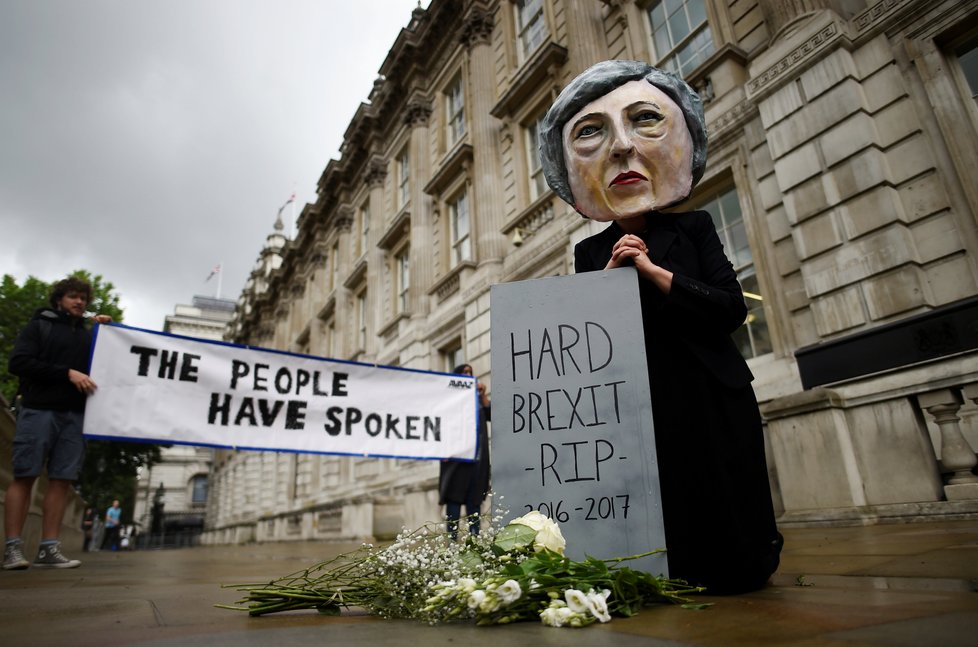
[[148, 141]]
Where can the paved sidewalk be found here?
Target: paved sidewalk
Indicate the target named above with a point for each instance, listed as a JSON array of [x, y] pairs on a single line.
[[906, 584]]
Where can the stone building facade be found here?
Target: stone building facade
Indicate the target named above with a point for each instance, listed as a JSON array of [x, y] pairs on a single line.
[[841, 176]]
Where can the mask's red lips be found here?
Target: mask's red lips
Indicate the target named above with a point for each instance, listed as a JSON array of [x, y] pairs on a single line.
[[630, 177]]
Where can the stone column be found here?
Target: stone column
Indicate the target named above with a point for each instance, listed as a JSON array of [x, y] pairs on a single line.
[[957, 456], [585, 32], [487, 190], [376, 174], [421, 207], [344, 316]]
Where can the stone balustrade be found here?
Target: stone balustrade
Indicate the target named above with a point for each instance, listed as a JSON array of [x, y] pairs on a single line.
[[895, 445]]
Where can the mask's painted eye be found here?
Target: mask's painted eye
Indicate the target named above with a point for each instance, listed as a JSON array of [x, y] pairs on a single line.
[[647, 116], [588, 130]]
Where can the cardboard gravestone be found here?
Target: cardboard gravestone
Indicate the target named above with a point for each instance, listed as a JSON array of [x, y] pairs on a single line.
[[572, 431]]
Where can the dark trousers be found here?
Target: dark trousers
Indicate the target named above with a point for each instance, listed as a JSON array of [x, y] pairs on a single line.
[[111, 538], [473, 502]]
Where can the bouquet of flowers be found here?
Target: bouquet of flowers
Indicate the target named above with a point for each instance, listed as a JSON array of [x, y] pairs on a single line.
[[518, 572]]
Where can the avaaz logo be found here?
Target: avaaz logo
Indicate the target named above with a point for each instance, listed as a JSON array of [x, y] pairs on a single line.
[[460, 384]]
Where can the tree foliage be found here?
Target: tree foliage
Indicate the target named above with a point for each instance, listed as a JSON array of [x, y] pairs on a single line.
[[17, 304], [110, 466], [110, 473]]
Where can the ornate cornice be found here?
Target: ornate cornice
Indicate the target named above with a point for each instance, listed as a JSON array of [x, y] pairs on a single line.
[[795, 61], [877, 14]]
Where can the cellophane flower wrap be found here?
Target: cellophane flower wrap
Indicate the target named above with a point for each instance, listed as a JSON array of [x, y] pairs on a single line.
[[514, 573]]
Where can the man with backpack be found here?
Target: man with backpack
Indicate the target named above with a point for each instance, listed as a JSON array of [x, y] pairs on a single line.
[[50, 356]]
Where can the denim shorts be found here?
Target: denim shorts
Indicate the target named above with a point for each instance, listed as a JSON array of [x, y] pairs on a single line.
[[52, 437]]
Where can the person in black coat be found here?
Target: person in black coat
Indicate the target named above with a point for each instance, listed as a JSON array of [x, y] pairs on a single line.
[[467, 482], [623, 141], [50, 356]]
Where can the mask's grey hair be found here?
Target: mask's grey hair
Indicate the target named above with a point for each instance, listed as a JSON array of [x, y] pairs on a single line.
[[597, 81]]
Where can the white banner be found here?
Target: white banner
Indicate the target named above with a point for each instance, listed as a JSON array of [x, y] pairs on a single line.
[[171, 389]]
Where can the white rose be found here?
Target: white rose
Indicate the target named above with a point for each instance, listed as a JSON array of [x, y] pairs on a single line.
[[466, 584], [548, 533], [534, 519], [509, 591], [549, 537]]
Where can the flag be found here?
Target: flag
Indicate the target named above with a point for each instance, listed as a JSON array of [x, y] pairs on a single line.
[[287, 203], [214, 272]]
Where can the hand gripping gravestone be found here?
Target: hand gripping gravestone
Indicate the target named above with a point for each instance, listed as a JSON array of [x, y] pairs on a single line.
[[572, 431]]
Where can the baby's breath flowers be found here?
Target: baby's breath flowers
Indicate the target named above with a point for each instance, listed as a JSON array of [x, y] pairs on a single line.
[[517, 572]]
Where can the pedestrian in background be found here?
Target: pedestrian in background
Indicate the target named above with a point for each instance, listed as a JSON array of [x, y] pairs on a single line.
[[88, 526], [113, 519], [464, 482]]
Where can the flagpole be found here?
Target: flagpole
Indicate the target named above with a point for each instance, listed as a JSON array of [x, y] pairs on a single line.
[[220, 277], [294, 224]]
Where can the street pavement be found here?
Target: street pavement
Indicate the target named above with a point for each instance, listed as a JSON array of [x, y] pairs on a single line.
[[897, 584]]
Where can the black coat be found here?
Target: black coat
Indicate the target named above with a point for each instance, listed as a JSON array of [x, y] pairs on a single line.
[[455, 477], [51, 343], [716, 499]]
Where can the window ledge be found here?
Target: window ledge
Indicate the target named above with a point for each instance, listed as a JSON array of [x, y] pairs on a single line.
[[537, 214], [449, 284], [391, 325], [329, 307], [530, 77], [357, 275], [456, 162], [303, 337], [398, 229]]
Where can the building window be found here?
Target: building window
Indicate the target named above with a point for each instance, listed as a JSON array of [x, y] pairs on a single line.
[[403, 280], [538, 184], [455, 111], [198, 489], [752, 338], [680, 34], [362, 320], [364, 229], [461, 241], [531, 26], [452, 356], [403, 179]]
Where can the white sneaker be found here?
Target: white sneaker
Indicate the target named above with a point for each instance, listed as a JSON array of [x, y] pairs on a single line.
[[50, 556], [13, 557]]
